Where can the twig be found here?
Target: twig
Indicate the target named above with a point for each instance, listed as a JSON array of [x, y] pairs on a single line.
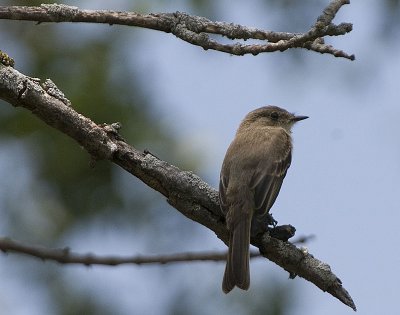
[[184, 190], [66, 256], [195, 29]]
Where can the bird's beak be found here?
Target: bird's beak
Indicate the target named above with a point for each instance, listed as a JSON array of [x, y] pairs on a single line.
[[298, 118]]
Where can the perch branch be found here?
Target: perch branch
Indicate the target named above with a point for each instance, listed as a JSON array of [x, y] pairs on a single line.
[[184, 190], [196, 30]]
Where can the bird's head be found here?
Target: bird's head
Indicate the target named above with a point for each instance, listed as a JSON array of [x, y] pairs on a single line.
[[273, 116]]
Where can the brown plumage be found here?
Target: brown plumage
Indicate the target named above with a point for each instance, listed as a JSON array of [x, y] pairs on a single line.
[[251, 177]]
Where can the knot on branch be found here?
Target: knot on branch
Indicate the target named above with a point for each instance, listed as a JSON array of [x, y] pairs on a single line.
[[6, 60], [195, 24], [60, 12]]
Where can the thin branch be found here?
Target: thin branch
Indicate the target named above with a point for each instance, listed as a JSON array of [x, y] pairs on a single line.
[[184, 190], [330, 11], [66, 256], [195, 29]]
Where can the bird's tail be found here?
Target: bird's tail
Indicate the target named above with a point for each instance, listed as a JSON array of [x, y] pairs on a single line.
[[237, 271]]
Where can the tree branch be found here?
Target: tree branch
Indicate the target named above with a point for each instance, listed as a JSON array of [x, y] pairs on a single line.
[[66, 256], [184, 190], [195, 29]]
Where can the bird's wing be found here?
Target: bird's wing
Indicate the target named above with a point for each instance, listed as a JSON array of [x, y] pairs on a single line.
[[264, 174], [223, 184], [269, 174]]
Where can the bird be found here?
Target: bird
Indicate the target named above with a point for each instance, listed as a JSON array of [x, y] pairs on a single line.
[[251, 177]]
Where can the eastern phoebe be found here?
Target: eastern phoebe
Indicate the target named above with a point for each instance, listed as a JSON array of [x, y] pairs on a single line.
[[251, 176]]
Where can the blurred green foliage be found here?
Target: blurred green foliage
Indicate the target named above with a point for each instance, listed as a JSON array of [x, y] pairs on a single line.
[[68, 191]]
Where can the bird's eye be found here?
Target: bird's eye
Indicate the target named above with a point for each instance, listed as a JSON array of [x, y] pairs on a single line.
[[274, 115]]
